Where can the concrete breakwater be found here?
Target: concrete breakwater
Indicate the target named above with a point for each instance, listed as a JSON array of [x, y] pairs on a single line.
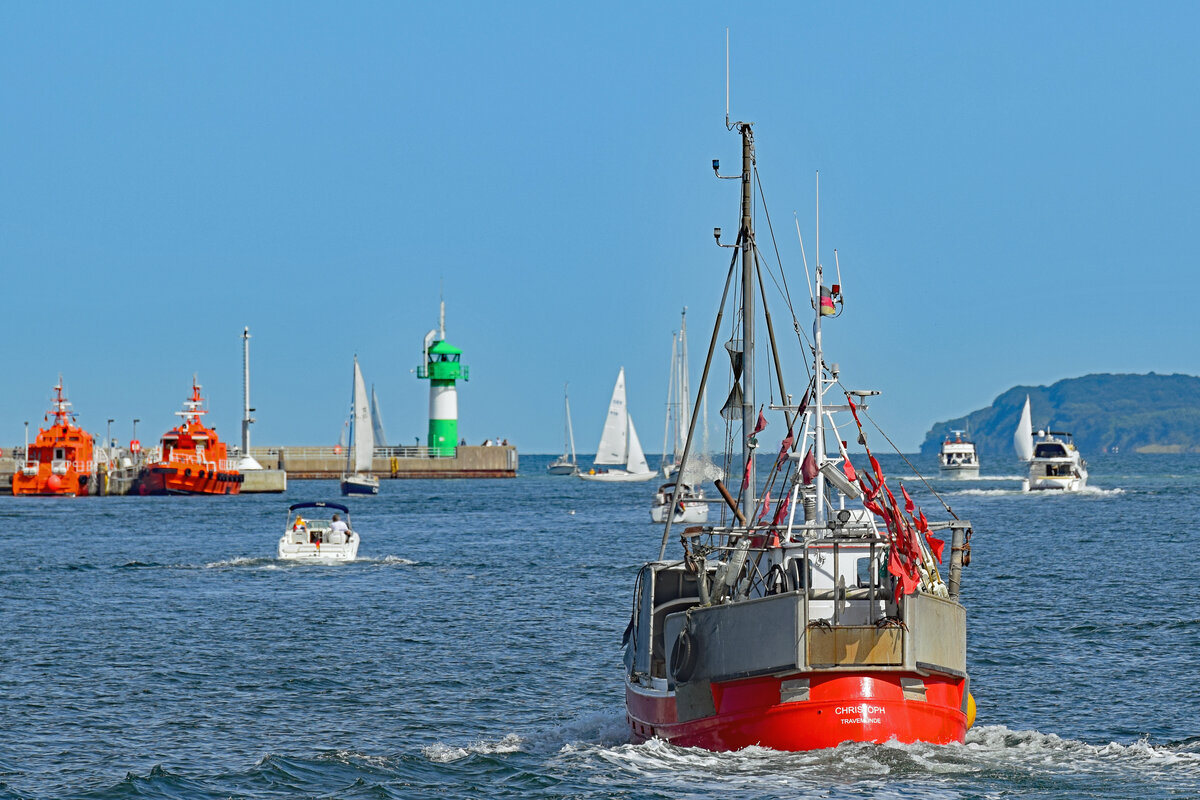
[[323, 463], [302, 463]]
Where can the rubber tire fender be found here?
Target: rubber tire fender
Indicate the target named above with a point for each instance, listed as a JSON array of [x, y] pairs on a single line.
[[683, 657]]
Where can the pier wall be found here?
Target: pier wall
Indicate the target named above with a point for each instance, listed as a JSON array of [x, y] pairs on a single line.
[[302, 463], [305, 463]]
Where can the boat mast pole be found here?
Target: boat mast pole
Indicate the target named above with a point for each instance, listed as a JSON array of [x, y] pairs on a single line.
[[819, 373], [747, 242], [570, 430]]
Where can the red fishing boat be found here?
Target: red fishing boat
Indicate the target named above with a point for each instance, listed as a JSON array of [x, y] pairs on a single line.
[[59, 462], [191, 459], [819, 620]]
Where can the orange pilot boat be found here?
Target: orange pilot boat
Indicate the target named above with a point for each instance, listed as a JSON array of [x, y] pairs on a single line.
[[191, 458], [59, 462]]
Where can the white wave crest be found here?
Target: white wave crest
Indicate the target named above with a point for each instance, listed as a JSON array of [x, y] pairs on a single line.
[[444, 753], [244, 561], [390, 560], [894, 769], [1087, 491]]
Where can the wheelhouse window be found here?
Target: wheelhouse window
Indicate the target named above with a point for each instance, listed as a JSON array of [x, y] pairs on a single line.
[[1050, 450]]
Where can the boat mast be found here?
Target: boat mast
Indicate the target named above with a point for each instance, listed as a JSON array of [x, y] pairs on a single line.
[[819, 373], [570, 430], [746, 235], [683, 418], [671, 410]]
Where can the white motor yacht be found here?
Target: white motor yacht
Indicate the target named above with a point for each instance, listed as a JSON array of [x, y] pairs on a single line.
[[1056, 464], [958, 454]]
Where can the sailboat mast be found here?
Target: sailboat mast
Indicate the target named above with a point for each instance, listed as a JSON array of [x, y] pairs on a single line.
[[570, 430], [747, 240], [683, 422], [671, 411]]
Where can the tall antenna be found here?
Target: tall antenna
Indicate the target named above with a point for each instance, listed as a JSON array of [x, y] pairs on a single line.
[[442, 313], [726, 77], [818, 220]]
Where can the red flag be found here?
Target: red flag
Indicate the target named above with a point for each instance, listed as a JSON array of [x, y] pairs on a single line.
[[766, 506], [808, 468], [746, 477], [876, 468], [785, 447], [762, 422], [936, 545], [848, 470], [781, 509], [908, 503], [854, 411], [871, 492]]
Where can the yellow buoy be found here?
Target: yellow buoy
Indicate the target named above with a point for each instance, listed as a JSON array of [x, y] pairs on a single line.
[[970, 710]]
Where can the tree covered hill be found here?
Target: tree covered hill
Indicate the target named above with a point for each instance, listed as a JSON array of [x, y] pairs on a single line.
[[1142, 413]]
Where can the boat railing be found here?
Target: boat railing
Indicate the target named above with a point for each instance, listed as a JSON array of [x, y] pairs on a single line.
[[404, 451], [187, 458]]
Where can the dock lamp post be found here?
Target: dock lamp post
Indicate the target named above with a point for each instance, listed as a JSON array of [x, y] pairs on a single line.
[[108, 440]]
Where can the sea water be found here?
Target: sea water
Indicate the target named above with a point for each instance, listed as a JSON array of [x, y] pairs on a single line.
[[154, 647]]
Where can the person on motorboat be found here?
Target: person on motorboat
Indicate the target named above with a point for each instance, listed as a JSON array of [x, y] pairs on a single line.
[[338, 526]]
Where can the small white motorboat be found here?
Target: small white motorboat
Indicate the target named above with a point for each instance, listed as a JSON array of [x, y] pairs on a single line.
[[689, 505], [958, 454], [317, 537]]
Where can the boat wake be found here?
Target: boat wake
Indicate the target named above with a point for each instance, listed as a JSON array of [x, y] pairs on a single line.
[[444, 754], [387, 561], [244, 562], [992, 757], [597, 730], [1087, 491]]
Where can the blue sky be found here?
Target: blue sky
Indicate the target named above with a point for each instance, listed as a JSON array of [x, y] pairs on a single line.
[[1010, 188]]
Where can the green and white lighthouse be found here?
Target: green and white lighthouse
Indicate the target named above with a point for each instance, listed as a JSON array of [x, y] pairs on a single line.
[[443, 366]]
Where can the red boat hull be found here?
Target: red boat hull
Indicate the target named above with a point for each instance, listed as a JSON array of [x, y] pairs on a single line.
[[158, 479], [841, 707]]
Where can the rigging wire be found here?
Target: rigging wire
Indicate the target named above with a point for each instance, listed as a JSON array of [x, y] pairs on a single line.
[[785, 290], [920, 477]]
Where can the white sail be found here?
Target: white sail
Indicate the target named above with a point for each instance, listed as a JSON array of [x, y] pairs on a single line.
[[377, 421], [685, 393], [613, 442], [637, 459], [1023, 437], [364, 437]]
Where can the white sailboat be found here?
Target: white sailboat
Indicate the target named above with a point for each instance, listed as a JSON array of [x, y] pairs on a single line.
[[566, 464], [1023, 436], [362, 443], [619, 444], [687, 496]]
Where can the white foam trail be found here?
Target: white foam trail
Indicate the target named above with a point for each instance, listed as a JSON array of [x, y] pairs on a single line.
[[1087, 491], [244, 561], [444, 753], [396, 560], [1030, 755]]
